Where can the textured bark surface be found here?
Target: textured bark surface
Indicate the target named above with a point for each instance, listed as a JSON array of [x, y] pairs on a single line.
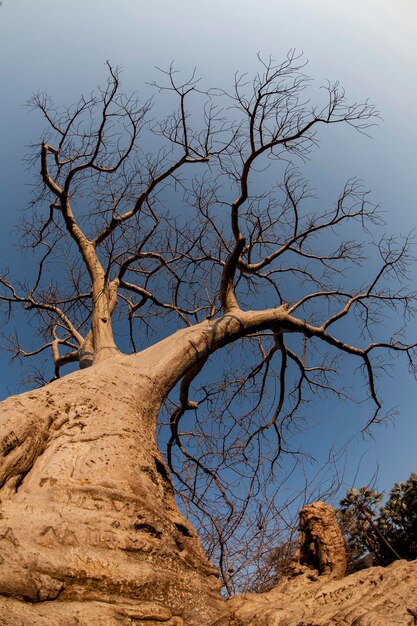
[[373, 597], [90, 533], [317, 594], [89, 530], [322, 547]]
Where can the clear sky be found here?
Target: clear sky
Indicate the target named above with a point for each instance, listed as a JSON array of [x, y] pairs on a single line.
[[368, 45]]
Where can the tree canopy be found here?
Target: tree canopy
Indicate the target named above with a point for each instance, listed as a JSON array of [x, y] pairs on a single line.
[[142, 224], [385, 531]]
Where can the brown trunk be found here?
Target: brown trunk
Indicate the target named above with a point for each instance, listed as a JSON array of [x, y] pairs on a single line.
[[88, 517], [89, 529], [104, 345]]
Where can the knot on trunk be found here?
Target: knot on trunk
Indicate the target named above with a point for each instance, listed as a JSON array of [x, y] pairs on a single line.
[[85, 357]]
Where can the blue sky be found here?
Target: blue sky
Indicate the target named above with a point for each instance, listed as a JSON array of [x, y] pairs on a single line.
[[368, 45]]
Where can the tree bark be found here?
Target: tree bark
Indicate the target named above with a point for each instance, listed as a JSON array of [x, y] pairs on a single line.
[[88, 520], [89, 528]]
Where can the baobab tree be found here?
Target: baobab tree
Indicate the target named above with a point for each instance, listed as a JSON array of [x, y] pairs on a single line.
[[142, 227]]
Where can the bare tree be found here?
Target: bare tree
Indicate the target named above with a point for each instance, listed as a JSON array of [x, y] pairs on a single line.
[[141, 226]]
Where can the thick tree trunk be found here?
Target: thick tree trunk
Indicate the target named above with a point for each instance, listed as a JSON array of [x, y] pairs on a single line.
[[105, 300], [89, 529]]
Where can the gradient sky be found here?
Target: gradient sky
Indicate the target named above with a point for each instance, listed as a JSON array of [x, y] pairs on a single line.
[[368, 45]]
